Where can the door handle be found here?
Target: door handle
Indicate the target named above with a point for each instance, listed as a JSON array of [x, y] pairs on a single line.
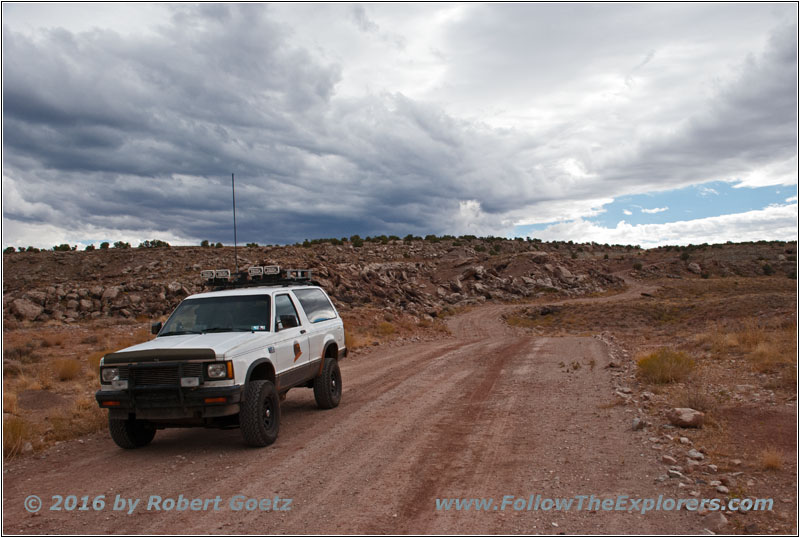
[[302, 331]]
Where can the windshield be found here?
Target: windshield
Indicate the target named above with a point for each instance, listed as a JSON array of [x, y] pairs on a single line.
[[219, 314]]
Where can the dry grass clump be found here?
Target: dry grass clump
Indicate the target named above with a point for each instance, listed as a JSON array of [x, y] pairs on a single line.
[[9, 402], [23, 353], [52, 341], [355, 339], [15, 430], [66, 369], [385, 329], [665, 366], [695, 397], [771, 459], [84, 418]]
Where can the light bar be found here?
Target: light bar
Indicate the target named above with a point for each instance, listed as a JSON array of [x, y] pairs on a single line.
[[298, 274], [272, 269], [256, 271], [222, 273], [208, 274]]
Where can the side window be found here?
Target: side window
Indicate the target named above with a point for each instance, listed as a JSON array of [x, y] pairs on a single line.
[[315, 304], [285, 313]]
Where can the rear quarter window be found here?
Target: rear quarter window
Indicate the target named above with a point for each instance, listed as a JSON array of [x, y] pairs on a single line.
[[315, 304]]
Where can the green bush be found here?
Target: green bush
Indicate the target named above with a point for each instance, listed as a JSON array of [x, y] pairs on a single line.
[[665, 366], [104, 245]]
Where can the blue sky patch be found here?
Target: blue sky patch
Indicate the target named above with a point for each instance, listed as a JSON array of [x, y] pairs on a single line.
[[689, 203]]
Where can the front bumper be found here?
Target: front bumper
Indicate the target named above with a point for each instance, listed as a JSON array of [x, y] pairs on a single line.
[[170, 403]]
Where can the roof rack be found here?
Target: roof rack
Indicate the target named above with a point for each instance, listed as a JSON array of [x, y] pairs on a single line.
[[257, 275]]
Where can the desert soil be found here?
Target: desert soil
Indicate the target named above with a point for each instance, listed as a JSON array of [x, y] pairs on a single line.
[[486, 412]]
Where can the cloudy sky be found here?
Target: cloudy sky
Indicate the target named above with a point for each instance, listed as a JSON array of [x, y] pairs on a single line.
[[648, 124]]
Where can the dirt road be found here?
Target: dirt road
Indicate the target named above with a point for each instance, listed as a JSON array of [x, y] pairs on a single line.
[[484, 413]]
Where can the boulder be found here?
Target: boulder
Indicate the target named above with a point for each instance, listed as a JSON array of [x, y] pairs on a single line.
[[685, 417], [694, 268], [110, 294], [25, 309]]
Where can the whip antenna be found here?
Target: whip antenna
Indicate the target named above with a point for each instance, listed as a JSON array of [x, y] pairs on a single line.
[[235, 255]]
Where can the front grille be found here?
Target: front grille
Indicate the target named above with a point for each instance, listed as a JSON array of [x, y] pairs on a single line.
[[168, 374]]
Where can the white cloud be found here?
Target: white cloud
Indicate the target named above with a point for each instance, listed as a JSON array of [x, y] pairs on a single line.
[[776, 222], [627, 212], [655, 210]]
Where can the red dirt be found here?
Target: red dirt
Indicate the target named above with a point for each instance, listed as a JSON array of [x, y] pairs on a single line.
[[485, 413]]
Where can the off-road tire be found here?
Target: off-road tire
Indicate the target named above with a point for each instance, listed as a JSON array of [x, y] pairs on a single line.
[[260, 413], [328, 385], [129, 433]]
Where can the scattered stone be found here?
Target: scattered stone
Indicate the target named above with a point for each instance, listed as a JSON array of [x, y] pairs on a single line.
[[669, 460], [722, 489], [716, 521], [638, 424], [673, 473], [686, 417], [27, 448], [713, 468], [696, 455], [25, 309], [685, 441]]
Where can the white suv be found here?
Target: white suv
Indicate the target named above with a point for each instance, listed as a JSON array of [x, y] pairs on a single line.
[[226, 359]]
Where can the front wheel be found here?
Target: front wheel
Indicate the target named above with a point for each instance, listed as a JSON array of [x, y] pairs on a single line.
[[260, 413], [130, 433], [328, 385]]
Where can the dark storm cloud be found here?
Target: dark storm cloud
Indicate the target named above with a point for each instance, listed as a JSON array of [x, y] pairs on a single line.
[[114, 131]]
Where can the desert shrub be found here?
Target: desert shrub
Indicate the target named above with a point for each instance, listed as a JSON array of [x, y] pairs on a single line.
[[695, 397], [121, 244], [89, 248], [9, 250], [23, 353], [204, 243], [104, 245], [637, 266], [9, 402], [66, 369], [63, 247], [665, 366], [14, 431], [218, 245], [767, 268], [385, 329], [771, 459], [684, 256]]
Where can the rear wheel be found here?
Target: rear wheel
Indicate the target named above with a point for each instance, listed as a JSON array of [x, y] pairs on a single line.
[[260, 413], [130, 433], [328, 385]]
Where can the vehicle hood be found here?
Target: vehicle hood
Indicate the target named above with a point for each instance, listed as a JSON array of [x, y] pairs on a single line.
[[224, 345]]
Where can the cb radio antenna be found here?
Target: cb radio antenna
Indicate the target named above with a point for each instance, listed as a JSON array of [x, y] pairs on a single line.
[[233, 192]]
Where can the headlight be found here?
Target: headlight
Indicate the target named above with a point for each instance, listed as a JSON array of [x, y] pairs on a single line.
[[110, 374], [218, 370]]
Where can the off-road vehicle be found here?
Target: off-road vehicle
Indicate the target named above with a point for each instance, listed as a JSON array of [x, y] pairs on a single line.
[[226, 358]]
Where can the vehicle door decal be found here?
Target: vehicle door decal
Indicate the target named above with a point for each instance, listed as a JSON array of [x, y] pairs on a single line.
[[297, 351]]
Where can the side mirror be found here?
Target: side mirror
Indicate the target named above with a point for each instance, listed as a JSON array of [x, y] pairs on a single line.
[[155, 328]]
